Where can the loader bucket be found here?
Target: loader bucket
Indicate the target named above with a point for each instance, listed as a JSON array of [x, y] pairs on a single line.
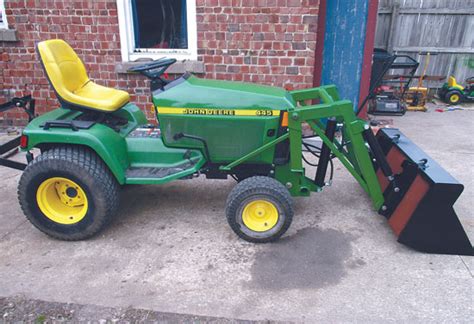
[[420, 207]]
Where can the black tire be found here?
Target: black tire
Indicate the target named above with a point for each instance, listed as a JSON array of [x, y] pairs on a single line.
[[88, 171], [453, 94], [442, 94], [259, 188]]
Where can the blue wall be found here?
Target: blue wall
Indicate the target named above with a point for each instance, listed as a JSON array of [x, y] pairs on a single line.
[[344, 40]]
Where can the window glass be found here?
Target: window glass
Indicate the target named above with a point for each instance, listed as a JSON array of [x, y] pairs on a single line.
[[156, 28], [160, 24], [3, 18]]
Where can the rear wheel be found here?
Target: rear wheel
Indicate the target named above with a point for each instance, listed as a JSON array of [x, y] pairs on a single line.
[[68, 193], [453, 97], [259, 209], [442, 93]]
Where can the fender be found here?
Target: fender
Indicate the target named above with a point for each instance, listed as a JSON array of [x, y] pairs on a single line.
[[107, 143]]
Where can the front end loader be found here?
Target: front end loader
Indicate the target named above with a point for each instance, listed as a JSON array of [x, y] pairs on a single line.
[[95, 143]]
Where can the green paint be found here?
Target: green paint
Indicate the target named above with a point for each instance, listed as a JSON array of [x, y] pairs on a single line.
[[469, 62], [259, 150], [228, 138], [233, 139], [107, 143]]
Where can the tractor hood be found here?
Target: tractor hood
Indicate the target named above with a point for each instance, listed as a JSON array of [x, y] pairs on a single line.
[[189, 91]]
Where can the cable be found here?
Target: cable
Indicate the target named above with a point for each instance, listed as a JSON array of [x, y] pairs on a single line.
[[331, 174], [317, 149], [310, 136], [309, 163]]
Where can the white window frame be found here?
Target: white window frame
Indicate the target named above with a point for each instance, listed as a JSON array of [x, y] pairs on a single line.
[[127, 36], [4, 23]]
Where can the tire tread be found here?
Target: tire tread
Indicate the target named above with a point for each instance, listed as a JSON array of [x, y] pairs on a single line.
[[75, 157], [259, 185]]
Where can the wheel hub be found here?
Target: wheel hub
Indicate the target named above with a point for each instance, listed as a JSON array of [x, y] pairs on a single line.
[[62, 200], [71, 192], [260, 215]]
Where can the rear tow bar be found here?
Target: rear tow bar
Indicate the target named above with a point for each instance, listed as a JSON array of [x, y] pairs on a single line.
[[27, 103]]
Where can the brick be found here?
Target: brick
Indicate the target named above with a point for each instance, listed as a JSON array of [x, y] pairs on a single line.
[[265, 41], [310, 19], [293, 3], [298, 46], [233, 27]]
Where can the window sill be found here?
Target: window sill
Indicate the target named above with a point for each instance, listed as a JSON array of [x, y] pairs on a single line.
[[177, 68], [8, 35]]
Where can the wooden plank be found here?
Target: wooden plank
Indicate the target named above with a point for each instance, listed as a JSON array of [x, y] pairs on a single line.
[[381, 36], [434, 11], [418, 49], [393, 24], [438, 26]]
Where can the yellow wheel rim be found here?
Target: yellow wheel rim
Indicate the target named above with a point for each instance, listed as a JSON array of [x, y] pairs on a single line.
[[62, 200], [260, 215], [454, 98]]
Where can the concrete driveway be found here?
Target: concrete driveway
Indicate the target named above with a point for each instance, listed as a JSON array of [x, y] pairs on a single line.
[[171, 250]]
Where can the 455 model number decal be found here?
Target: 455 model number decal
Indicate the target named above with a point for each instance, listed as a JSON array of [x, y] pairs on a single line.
[[217, 112]]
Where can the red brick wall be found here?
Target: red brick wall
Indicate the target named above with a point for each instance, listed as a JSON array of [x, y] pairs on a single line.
[[265, 41]]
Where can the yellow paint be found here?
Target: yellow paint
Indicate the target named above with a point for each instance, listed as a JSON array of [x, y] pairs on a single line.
[[62, 200], [454, 98], [453, 84], [260, 215], [69, 78], [217, 112]]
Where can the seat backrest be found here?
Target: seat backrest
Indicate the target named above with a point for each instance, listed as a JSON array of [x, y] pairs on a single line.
[[451, 81], [64, 68], [453, 84]]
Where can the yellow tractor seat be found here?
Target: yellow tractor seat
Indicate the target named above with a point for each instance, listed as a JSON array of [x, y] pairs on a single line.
[[453, 84], [68, 77]]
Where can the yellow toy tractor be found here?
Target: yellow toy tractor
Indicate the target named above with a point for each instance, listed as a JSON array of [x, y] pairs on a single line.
[[454, 93]]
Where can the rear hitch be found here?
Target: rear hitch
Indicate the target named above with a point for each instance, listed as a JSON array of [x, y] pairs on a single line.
[[27, 103]]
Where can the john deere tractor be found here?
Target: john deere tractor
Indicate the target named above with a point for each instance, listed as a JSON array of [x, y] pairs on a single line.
[[453, 93], [98, 141]]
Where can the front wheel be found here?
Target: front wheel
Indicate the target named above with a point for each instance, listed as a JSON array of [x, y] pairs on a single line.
[[259, 209], [68, 193]]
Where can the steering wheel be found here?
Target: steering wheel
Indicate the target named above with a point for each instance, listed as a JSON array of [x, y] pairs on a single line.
[[154, 69]]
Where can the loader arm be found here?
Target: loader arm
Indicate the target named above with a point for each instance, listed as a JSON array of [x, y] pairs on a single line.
[[406, 186], [356, 159]]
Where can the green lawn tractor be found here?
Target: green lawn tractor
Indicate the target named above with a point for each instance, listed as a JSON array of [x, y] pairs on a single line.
[[453, 93], [98, 141]]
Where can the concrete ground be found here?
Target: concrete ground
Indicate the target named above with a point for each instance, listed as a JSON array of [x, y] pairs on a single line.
[[171, 250]]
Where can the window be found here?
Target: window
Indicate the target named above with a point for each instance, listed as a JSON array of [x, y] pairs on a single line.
[[3, 17], [157, 28]]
